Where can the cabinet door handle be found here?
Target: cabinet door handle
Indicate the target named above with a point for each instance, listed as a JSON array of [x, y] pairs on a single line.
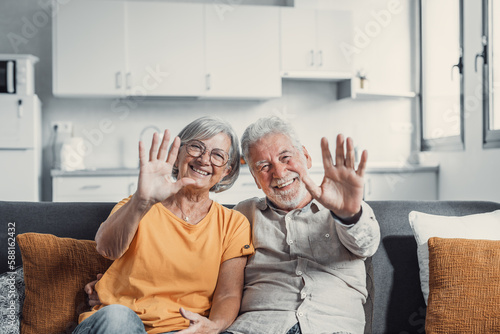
[[320, 54], [128, 79], [460, 65], [91, 187], [312, 57], [118, 80], [20, 109], [208, 82], [368, 188], [483, 54]]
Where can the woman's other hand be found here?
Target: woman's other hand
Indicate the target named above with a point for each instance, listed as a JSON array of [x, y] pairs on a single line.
[[92, 293]]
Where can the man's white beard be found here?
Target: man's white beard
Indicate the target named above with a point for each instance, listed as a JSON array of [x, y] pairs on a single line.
[[289, 199]]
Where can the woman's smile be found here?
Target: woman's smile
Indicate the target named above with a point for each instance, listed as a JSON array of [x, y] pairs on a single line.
[[199, 171]]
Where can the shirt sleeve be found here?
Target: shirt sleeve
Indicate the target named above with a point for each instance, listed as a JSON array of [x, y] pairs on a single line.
[[363, 237], [239, 238]]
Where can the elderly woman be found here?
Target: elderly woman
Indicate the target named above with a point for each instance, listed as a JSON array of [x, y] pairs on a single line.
[[179, 256]]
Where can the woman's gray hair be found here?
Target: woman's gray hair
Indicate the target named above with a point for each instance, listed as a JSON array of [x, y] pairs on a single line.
[[205, 128], [264, 126]]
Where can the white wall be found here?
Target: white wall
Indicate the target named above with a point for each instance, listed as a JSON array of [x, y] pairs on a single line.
[[112, 127], [472, 174]]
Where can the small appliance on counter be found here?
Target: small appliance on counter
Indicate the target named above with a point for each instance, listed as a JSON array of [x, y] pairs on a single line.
[[70, 154], [17, 74], [20, 130]]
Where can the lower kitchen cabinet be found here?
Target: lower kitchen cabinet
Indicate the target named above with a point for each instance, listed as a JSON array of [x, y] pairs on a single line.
[[380, 184], [420, 183], [92, 188], [403, 185]]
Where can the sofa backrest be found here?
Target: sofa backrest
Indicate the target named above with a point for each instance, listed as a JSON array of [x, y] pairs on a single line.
[[399, 305], [71, 220]]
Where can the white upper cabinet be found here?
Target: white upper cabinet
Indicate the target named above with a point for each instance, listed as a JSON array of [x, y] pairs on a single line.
[[333, 29], [311, 43], [115, 48], [89, 48], [165, 49], [154, 48], [148, 48], [298, 39], [242, 52]]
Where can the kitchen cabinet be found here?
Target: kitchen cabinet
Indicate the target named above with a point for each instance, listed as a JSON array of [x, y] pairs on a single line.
[[89, 48], [148, 48], [350, 89], [242, 52], [115, 48], [381, 184], [310, 43], [85, 188], [402, 185], [165, 49]]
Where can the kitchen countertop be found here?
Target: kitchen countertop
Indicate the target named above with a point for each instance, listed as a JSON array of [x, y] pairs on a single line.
[[373, 168], [96, 172]]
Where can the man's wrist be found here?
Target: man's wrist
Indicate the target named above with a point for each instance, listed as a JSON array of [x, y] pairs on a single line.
[[351, 220]]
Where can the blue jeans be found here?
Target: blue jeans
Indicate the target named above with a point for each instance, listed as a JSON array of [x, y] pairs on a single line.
[[112, 319]]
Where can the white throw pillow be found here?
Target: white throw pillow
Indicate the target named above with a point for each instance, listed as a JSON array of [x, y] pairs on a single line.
[[480, 226]]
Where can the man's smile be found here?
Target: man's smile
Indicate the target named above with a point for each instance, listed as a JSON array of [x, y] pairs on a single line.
[[283, 184]]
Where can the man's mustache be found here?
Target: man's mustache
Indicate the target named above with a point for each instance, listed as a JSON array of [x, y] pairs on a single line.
[[283, 180]]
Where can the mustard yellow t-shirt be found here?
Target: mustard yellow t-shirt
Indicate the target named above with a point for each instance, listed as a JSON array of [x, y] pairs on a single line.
[[171, 264]]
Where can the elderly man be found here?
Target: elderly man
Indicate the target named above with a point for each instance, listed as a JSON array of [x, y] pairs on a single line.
[[307, 274]]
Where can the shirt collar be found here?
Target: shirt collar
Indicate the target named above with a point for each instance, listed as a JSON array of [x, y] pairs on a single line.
[[264, 203]]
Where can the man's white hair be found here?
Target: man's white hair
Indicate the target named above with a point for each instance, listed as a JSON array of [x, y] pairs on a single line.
[[263, 127]]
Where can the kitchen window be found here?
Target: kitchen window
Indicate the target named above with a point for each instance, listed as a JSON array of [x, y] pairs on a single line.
[[491, 73], [442, 98]]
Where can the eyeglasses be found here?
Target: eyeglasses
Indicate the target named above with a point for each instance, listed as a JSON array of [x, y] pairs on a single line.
[[196, 149]]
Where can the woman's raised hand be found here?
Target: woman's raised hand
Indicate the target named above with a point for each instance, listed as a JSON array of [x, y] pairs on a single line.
[[155, 182]]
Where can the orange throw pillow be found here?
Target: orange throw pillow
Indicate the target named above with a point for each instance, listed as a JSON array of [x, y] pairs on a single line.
[[55, 272], [464, 286]]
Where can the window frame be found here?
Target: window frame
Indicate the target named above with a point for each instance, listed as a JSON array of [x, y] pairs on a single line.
[[491, 138], [449, 143]]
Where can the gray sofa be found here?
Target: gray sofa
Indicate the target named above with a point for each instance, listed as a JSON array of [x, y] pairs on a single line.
[[396, 306]]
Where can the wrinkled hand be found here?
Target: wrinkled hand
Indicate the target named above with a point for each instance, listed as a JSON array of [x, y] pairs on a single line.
[[342, 188], [155, 183], [198, 324], [92, 293]]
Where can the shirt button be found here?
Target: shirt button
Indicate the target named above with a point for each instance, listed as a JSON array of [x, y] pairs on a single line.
[[288, 219], [299, 273], [327, 235], [300, 314], [303, 295], [290, 242]]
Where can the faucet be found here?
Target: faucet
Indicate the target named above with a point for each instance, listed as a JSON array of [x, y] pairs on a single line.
[[143, 131], [153, 127]]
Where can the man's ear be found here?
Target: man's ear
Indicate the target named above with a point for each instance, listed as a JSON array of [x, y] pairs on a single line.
[[308, 157]]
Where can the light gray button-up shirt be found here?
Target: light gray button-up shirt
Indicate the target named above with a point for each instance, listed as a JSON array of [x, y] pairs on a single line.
[[307, 268]]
